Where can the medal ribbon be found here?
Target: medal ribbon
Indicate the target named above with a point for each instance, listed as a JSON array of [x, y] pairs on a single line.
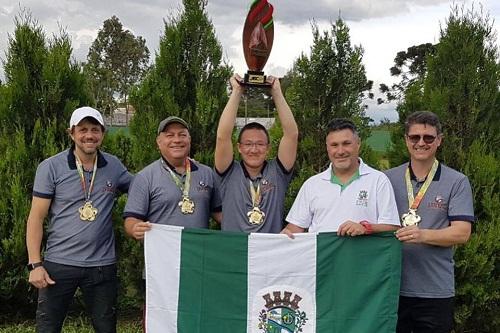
[[79, 168], [255, 193], [183, 186], [413, 203]]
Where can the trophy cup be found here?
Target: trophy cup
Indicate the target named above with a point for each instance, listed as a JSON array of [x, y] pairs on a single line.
[[258, 34]]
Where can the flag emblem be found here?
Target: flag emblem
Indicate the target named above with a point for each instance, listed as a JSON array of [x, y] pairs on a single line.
[[282, 314]]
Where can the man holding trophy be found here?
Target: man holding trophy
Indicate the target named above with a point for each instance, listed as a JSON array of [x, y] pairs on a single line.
[[253, 190]]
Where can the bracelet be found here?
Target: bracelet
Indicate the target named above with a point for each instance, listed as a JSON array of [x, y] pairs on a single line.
[[368, 227]]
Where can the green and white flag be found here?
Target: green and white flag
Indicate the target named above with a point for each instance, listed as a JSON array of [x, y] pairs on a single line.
[[221, 282]]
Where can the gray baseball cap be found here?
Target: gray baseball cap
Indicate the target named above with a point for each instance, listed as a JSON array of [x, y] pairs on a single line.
[[172, 119]]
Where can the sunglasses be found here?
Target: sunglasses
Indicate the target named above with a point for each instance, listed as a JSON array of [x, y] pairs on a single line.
[[415, 138]]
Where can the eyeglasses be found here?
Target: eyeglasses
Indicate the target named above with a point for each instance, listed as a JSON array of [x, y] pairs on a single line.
[[415, 138], [250, 145]]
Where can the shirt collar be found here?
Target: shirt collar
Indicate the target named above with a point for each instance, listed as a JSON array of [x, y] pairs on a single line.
[[437, 175], [193, 165], [101, 160], [363, 169], [245, 171]]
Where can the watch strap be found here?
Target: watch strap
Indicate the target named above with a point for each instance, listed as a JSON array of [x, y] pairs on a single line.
[[32, 266]]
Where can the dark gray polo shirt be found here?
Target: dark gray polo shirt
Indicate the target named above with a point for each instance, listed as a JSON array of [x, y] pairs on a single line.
[[154, 196], [237, 200], [427, 270], [71, 241]]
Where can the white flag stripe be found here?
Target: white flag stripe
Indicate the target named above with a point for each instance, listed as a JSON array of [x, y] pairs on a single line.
[[162, 289], [276, 262]]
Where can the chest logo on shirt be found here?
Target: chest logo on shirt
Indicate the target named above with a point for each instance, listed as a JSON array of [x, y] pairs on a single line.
[[202, 186], [438, 203], [266, 185], [109, 188], [362, 199]]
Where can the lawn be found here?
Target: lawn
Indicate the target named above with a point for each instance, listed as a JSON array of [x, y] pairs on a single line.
[[379, 140], [73, 325]]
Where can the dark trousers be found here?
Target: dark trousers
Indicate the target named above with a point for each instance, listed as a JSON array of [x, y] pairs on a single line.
[[425, 315], [99, 289]]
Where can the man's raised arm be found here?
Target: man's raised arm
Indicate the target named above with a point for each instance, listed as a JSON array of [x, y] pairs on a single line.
[[224, 145], [287, 151]]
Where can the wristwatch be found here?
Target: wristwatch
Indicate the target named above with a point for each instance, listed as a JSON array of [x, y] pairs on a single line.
[[32, 266]]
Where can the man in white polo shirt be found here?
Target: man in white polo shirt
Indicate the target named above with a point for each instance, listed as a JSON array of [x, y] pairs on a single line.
[[350, 197]]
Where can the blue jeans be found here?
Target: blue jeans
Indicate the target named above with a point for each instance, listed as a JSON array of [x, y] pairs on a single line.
[[99, 290]]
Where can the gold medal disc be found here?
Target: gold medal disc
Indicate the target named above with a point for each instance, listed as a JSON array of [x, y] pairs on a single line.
[[410, 218], [256, 216], [87, 212], [186, 205]]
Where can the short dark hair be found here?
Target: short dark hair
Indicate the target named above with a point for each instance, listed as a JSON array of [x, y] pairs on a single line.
[[253, 125], [339, 124], [423, 118]]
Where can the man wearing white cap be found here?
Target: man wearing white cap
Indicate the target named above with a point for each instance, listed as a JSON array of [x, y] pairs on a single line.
[[76, 189]]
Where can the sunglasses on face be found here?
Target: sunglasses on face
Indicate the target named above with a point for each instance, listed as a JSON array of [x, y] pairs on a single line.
[[415, 138]]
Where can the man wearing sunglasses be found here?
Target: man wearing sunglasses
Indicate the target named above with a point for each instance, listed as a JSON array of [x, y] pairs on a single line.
[[436, 209], [253, 190]]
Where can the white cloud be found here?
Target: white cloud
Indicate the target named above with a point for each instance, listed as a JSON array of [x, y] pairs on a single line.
[[382, 27]]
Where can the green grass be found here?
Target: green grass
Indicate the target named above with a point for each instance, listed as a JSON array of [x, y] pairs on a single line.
[[73, 325], [379, 140]]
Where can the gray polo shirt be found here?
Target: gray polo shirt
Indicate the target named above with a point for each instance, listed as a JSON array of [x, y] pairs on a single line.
[[428, 271], [237, 200], [155, 197], [71, 241]]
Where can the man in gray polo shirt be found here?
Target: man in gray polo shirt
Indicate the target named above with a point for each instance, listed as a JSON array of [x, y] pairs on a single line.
[[174, 189], [436, 206], [76, 189], [253, 190]]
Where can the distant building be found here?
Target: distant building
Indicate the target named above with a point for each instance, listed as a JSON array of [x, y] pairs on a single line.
[[119, 117], [266, 122]]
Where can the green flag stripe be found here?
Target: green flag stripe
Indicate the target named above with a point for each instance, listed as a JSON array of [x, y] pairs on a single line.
[[349, 296], [205, 278]]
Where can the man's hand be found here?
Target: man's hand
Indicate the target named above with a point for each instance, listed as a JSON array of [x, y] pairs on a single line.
[[275, 86], [39, 278], [291, 229], [236, 87], [139, 229], [350, 228], [287, 232], [411, 234]]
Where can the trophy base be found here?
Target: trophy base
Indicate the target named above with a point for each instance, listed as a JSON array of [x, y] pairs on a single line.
[[255, 79]]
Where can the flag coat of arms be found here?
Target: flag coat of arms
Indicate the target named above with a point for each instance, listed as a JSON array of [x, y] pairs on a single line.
[[223, 282]]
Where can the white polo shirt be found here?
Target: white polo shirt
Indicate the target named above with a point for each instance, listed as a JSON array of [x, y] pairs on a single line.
[[323, 206]]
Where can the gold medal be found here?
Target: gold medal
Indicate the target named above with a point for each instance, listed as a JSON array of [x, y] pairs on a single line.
[[87, 212], [187, 205], [256, 216], [410, 218]]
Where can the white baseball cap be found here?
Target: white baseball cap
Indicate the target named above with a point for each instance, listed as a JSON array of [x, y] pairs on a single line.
[[84, 112]]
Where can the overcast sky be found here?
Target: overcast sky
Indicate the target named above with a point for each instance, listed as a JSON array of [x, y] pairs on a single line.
[[381, 27]]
